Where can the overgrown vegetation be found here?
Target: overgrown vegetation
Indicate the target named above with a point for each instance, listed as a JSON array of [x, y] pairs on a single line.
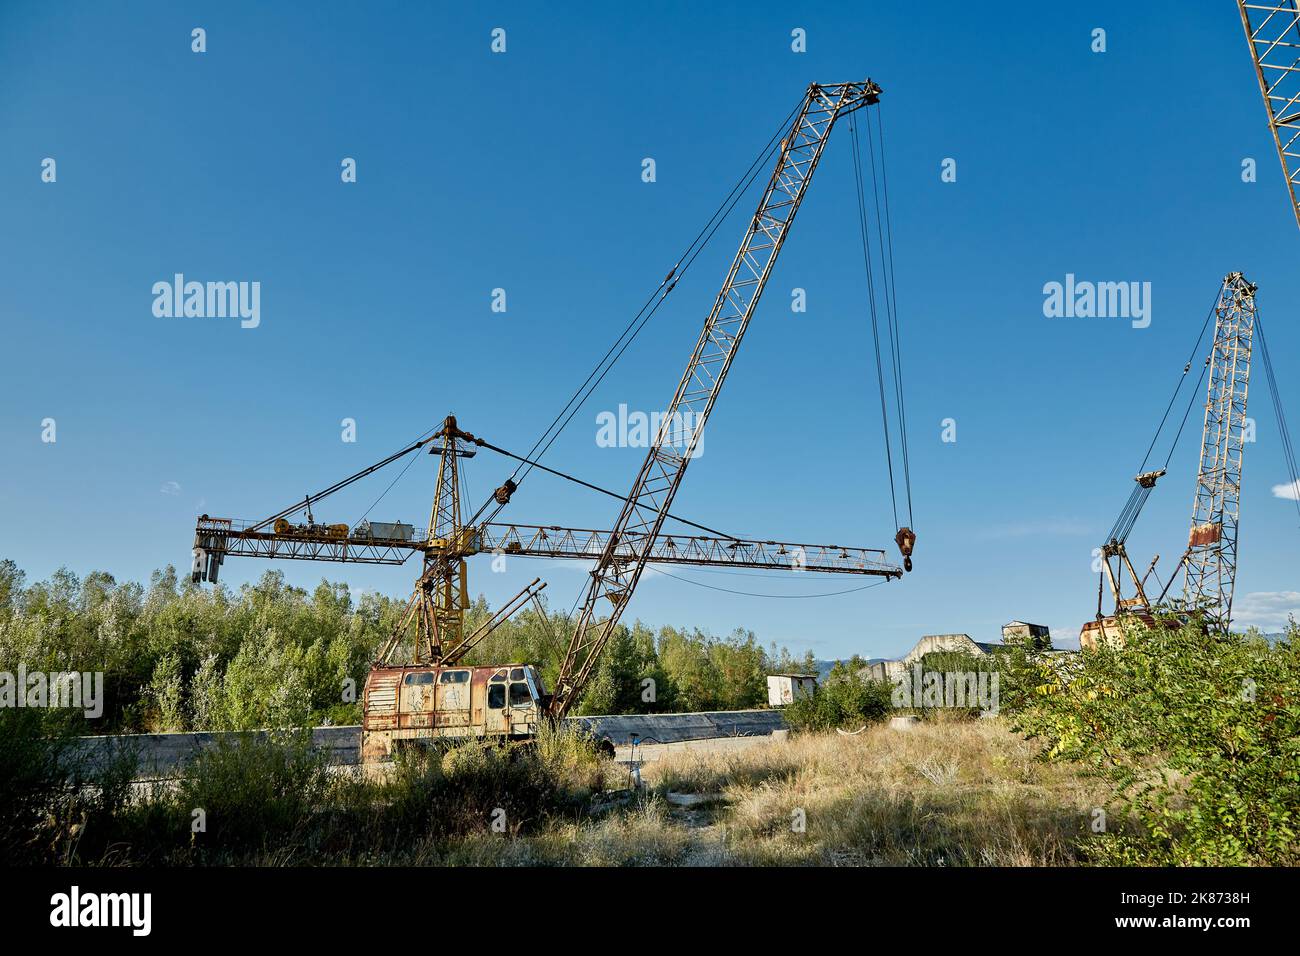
[[845, 699], [1177, 748], [1196, 734], [960, 793], [272, 800], [1193, 737], [179, 657]]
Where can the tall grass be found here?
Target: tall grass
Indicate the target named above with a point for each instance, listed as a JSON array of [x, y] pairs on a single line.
[[947, 794], [942, 794], [258, 799]]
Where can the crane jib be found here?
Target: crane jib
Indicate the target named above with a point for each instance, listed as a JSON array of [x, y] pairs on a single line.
[[646, 507]]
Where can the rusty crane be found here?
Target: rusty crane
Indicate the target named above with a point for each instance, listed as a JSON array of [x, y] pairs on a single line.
[[1209, 561], [420, 686]]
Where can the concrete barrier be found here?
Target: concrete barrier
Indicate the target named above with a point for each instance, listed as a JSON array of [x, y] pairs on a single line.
[[160, 754], [676, 728]]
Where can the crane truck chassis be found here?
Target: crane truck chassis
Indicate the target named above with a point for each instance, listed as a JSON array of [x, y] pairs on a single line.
[[407, 705]]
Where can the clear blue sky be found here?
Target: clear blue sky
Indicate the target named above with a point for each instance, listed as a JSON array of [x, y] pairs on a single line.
[[522, 171]]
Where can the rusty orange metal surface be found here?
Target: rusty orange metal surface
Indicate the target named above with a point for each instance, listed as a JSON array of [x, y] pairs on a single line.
[[422, 701]]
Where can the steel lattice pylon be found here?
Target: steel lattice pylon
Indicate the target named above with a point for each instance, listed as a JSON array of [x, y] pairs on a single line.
[[1273, 30], [439, 601], [1211, 561]]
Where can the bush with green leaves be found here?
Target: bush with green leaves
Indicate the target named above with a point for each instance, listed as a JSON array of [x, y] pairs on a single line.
[[1198, 735], [55, 801], [844, 699], [269, 798]]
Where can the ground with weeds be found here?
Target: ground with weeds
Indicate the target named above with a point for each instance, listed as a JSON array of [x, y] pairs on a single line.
[[945, 793], [952, 793]]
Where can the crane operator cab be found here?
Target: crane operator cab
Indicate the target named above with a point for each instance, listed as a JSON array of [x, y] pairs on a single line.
[[406, 704]]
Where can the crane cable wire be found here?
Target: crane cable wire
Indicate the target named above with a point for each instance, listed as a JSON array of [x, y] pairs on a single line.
[[871, 298], [891, 297], [1191, 403], [890, 309], [760, 594], [1137, 499], [604, 491], [645, 313], [1288, 449], [1181, 380], [384, 493]]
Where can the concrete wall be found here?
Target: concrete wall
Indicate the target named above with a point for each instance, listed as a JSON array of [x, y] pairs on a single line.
[[675, 728], [162, 753], [932, 643]]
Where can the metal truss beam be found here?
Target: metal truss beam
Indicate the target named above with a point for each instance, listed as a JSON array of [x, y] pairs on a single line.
[[1273, 31], [217, 536], [221, 536], [555, 542], [1211, 560]]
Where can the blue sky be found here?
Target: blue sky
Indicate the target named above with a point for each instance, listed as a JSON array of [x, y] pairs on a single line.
[[522, 171]]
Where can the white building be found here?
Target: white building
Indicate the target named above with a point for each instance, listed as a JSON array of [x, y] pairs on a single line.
[[785, 689]]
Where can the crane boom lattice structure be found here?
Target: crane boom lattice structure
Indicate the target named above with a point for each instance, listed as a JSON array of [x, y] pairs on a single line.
[[1209, 564], [1211, 561], [646, 507], [1273, 31], [234, 539]]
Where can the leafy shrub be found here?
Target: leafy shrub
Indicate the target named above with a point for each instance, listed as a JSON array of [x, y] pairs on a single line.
[[1198, 736], [255, 791], [53, 798], [34, 770], [843, 699]]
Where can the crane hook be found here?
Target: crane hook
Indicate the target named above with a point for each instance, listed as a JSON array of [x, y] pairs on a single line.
[[906, 540], [502, 494]]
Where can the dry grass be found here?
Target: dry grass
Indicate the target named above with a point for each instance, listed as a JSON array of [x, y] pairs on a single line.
[[642, 835], [944, 794], [957, 794]]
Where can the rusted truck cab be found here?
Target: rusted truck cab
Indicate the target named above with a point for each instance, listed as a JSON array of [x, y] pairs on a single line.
[[411, 703]]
